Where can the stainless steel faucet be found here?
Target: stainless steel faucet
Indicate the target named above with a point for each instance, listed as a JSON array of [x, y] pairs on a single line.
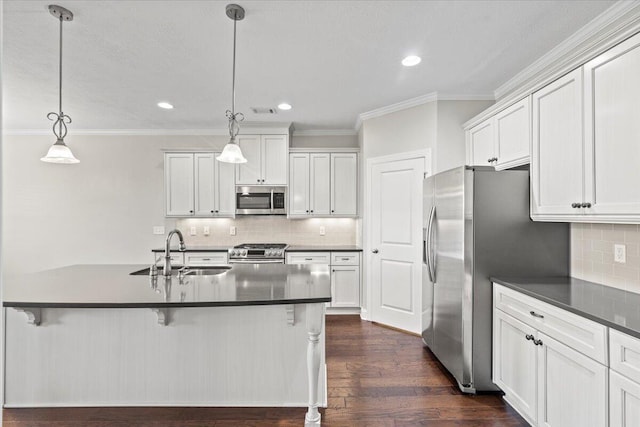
[[167, 252]]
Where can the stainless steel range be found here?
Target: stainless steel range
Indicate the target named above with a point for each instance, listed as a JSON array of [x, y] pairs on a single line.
[[257, 253]]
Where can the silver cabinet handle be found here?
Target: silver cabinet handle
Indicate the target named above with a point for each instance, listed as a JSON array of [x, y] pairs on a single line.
[[537, 342], [308, 259], [345, 259], [575, 205], [534, 314], [375, 251], [529, 337], [586, 205]]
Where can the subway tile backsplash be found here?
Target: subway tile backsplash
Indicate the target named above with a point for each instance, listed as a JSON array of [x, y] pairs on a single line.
[[270, 229], [592, 255]]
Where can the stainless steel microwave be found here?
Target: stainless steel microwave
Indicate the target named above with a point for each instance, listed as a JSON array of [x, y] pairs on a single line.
[[261, 200]]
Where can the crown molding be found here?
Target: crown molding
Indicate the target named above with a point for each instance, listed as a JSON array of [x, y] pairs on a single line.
[[399, 106], [462, 97], [609, 28], [325, 132]]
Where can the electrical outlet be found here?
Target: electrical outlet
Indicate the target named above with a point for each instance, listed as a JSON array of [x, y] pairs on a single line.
[[232, 230], [620, 320], [158, 229], [193, 231], [620, 253], [206, 230], [322, 230]]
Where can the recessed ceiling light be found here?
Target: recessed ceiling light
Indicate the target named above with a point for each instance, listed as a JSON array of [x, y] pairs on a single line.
[[411, 60], [165, 105], [284, 106]]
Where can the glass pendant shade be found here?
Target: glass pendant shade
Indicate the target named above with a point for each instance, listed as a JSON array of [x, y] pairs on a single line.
[[59, 153], [231, 154]]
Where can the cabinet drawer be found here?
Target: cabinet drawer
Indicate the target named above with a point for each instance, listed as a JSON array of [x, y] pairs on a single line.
[[624, 354], [583, 335], [345, 258], [309, 258], [205, 258], [177, 258]]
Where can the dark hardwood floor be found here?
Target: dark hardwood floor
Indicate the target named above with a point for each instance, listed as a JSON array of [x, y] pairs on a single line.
[[376, 377]]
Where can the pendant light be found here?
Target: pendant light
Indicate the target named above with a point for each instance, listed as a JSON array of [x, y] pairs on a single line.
[[232, 152], [59, 152]]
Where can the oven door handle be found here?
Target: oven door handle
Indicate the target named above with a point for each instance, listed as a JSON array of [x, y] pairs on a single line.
[[256, 261], [272, 201]]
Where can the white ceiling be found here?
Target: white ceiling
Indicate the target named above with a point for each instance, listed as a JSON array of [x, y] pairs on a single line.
[[331, 60]]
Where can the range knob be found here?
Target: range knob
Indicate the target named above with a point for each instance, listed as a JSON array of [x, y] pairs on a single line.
[[244, 253]]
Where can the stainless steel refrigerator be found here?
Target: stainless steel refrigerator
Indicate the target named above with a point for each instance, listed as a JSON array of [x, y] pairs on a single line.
[[477, 225]]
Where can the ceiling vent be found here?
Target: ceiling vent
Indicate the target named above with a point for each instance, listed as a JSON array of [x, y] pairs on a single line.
[[263, 110]]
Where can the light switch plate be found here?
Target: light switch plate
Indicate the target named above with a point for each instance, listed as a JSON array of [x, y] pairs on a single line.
[[158, 229], [620, 253], [206, 231], [232, 230], [193, 231], [322, 230]]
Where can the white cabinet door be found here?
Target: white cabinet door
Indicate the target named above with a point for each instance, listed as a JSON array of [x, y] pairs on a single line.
[[299, 184], [178, 173], [249, 173], [482, 142], [624, 401], [225, 188], [319, 184], [572, 388], [515, 364], [344, 184], [205, 184], [345, 286], [512, 132], [557, 149], [612, 130], [274, 159]]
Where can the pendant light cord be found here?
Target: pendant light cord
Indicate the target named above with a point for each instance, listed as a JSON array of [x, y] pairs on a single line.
[[60, 76], [233, 74]]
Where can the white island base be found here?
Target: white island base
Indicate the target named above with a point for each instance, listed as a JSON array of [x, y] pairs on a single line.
[[257, 355]]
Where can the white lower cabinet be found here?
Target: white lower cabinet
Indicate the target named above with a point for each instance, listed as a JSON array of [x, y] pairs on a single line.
[[624, 401], [345, 274], [547, 381]]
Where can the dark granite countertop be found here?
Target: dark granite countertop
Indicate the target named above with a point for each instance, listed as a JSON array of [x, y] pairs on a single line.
[[328, 248], [196, 249], [111, 286], [609, 306]]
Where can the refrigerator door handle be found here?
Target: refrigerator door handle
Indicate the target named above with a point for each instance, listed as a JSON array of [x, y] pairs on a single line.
[[424, 246], [428, 242]]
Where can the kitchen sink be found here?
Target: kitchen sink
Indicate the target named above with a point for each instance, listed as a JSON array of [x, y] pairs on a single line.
[[201, 271]]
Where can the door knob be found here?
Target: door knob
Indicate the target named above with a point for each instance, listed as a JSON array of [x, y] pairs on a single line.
[[375, 251]]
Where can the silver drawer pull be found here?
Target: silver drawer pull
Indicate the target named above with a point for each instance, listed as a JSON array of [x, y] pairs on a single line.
[[346, 259], [206, 259], [308, 259], [534, 314], [537, 342], [529, 337]]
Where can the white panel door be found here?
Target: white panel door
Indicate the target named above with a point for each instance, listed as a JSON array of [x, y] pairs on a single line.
[[396, 242], [299, 184], [624, 401], [205, 184], [557, 148], [572, 388], [344, 184], [515, 363], [612, 131], [513, 135], [178, 175], [482, 143], [345, 286], [249, 173], [319, 184], [275, 159], [225, 188]]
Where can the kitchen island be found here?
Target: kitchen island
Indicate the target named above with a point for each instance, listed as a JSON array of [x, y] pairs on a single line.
[[94, 335]]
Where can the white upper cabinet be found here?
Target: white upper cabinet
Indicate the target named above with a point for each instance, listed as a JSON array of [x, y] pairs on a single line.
[[198, 185], [344, 184], [512, 132], [586, 169], [481, 140], [319, 183], [612, 131], [267, 160], [323, 184], [557, 157], [178, 178], [503, 139]]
